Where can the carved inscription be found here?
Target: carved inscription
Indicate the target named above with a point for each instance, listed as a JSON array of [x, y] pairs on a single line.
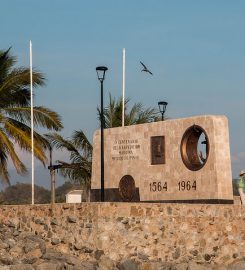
[[158, 186], [187, 185], [126, 149], [182, 186]]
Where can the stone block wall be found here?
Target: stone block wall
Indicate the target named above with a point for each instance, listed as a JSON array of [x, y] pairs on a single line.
[[213, 234]]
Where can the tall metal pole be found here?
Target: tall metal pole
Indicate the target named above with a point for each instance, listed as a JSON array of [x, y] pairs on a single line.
[[162, 116], [32, 136], [101, 76], [52, 177], [123, 88], [102, 194]]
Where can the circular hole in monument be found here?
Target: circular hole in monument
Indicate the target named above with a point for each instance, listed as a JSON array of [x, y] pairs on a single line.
[[201, 148], [127, 188], [194, 148]]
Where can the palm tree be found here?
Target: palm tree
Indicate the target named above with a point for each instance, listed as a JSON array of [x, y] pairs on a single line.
[[15, 115], [136, 115], [80, 149]]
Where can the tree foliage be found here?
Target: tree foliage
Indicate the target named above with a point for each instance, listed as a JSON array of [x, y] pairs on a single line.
[[21, 194], [80, 150], [137, 114], [15, 115]]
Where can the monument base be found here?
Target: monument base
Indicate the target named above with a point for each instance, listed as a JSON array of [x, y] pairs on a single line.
[[113, 195]]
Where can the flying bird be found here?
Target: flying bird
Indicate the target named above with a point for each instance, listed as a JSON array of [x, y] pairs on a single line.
[[145, 68]]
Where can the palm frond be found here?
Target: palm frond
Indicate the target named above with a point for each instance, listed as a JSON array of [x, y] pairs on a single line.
[[113, 112], [6, 63], [41, 116], [7, 145], [57, 141], [80, 149], [22, 135], [77, 172], [146, 116], [15, 98], [132, 115], [81, 142], [4, 175], [20, 78]]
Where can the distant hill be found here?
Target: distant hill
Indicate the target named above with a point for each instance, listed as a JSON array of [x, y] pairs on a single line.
[[20, 193]]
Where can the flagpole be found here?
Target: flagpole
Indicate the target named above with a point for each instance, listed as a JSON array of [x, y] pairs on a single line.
[[32, 137], [123, 88]]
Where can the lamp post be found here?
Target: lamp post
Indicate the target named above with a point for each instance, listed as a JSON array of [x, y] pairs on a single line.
[[52, 169], [101, 76], [162, 107]]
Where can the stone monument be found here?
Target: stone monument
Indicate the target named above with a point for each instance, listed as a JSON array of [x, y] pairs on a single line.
[[180, 160]]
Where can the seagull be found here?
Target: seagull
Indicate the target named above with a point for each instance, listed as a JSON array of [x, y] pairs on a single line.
[[145, 68]]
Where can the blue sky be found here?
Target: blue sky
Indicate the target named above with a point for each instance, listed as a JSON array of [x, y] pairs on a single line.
[[195, 50]]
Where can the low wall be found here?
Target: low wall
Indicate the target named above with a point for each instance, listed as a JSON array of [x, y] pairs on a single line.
[[142, 231]]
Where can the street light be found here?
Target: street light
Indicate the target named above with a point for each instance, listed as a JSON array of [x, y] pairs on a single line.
[[162, 107], [101, 76]]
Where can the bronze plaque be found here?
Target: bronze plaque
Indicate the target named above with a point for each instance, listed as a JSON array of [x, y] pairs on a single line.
[[157, 150], [193, 158], [127, 188]]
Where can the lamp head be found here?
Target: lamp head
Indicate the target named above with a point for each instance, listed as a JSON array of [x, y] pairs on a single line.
[[162, 106], [101, 72]]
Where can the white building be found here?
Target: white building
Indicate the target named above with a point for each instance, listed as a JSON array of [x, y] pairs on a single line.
[[74, 196]]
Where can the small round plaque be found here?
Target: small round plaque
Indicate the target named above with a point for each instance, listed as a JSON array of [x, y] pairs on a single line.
[[127, 188]]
